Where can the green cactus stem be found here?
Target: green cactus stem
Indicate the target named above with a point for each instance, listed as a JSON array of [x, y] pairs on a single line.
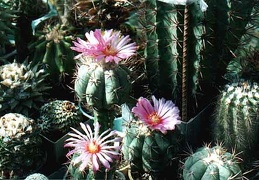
[[150, 151], [211, 163], [236, 118]]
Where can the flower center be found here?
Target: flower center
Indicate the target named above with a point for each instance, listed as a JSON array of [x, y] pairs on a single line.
[[110, 51], [93, 147], [154, 118]]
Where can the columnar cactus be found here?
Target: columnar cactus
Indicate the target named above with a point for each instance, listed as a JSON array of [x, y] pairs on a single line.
[[101, 80], [59, 115], [52, 49], [20, 146], [211, 163], [186, 49], [236, 117], [22, 88], [152, 143], [150, 151]]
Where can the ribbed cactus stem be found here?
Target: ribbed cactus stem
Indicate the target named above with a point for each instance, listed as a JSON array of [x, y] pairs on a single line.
[[105, 117], [185, 65]]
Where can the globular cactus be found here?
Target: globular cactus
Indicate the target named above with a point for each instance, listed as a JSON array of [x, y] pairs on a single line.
[[187, 50], [36, 176], [212, 163], [236, 117], [52, 49], [150, 151], [20, 146], [59, 116], [22, 88]]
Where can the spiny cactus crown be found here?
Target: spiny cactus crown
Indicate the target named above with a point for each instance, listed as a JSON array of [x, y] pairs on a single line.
[[59, 115], [22, 87]]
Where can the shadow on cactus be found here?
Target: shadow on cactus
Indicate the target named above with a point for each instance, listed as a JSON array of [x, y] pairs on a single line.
[[22, 88]]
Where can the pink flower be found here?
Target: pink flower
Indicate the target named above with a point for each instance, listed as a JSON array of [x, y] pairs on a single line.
[[108, 46], [163, 116], [92, 149]]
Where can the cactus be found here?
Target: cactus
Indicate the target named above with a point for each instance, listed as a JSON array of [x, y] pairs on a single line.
[[52, 49], [211, 163], [20, 146], [150, 151], [102, 87], [187, 50], [22, 88], [236, 117], [36, 176], [59, 115]]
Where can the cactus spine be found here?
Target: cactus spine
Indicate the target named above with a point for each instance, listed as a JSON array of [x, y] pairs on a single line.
[[236, 117], [211, 163]]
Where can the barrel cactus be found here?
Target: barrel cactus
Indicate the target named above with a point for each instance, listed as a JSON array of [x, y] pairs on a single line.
[[212, 163], [51, 47], [36, 176], [59, 115], [20, 146], [236, 117], [152, 142], [22, 88], [101, 81]]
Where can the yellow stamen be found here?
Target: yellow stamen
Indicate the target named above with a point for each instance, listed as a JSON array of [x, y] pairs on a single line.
[[154, 118], [93, 147]]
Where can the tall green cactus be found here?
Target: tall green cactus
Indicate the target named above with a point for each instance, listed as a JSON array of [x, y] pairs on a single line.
[[187, 50], [236, 118]]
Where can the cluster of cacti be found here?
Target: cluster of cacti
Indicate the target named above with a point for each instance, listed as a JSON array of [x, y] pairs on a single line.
[[20, 146], [59, 115], [212, 163], [22, 88], [52, 49], [36, 176], [186, 48], [150, 151], [236, 117]]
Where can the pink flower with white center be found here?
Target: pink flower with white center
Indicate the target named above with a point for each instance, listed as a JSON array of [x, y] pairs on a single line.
[[107, 46], [92, 149], [163, 116]]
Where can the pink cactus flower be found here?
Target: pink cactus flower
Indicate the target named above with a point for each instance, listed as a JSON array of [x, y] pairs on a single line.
[[163, 116], [93, 150], [107, 46]]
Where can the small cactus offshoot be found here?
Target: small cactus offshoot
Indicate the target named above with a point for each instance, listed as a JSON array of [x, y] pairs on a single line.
[[20, 146], [211, 163]]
